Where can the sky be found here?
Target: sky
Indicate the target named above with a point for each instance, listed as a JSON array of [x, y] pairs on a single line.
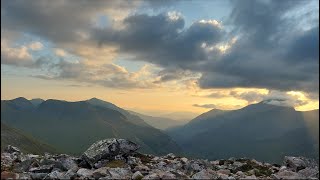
[[159, 57]]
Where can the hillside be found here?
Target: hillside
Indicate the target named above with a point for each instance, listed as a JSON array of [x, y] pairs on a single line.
[[262, 131], [27, 144], [73, 126]]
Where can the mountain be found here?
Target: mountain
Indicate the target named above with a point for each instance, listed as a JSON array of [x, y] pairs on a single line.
[[72, 126], [36, 101], [159, 122], [25, 142], [262, 131]]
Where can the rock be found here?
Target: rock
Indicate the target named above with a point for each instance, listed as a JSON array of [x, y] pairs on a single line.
[[68, 163], [184, 160], [224, 171], [141, 167], [250, 177], [286, 174], [24, 176], [152, 176], [9, 175], [222, 176], [205, 174], [11, 149], [108, 149], [70, 174], [137, 175], [295, 163], [120, 173], [101, 172], [38, 175], [309, 172], [55, 175], [170, 155], [87, 173], [41, 169], [240, 174]]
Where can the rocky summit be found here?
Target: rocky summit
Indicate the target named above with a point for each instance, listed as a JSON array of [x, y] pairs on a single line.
[[118, 159]]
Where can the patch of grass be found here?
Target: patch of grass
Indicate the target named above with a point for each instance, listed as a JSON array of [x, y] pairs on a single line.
[[116, 164]]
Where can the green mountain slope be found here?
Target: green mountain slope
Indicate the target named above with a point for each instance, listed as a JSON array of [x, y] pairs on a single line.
[[262, 131], [74, 126], [26, 143]]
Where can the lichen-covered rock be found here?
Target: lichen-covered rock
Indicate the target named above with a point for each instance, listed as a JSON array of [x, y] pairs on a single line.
[[108, 149]]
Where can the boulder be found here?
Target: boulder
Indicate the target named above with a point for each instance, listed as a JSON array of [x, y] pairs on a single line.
[[287, 174], [108, 149], [137, 175], [11, 149], [120, 173], [205, 174], [86, 173]]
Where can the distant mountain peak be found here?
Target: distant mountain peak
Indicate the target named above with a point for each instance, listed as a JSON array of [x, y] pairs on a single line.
[[20, 99]]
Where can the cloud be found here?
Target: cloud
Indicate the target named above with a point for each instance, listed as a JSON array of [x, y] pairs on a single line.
[[270, 52], [272, 97], [171, 74], [107, 75], [274, 49], [35, 46], [60, 52], [17, 56], [208, 106], [162, 39]]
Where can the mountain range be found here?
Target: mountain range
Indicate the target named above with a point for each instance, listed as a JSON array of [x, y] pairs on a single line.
[[262, 131], [72, 126]]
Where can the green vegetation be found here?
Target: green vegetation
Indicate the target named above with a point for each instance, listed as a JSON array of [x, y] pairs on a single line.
[[26, 143], [115, 164]]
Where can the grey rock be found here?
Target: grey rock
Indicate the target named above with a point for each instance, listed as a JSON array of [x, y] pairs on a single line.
[[24, 176], [12, 149], [87, 173], [224, 171], [286, 174], [38, 175], [152, 176], [120, 173], [55, 175], [101, 172], [205, 174], [137, 175], [309, 172], [108, 149], [42, 169]]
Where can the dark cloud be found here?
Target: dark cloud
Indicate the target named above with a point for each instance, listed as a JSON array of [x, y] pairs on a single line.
[[208, 106], [162, 39], [270, 52]]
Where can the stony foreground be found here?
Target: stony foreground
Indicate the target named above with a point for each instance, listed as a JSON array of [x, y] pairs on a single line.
[[118, 159]]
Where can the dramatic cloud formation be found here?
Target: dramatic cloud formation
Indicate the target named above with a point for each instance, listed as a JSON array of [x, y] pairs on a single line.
[[260, 44]]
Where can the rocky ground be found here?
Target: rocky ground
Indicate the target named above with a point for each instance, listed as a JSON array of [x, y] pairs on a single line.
[[118, 159]]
